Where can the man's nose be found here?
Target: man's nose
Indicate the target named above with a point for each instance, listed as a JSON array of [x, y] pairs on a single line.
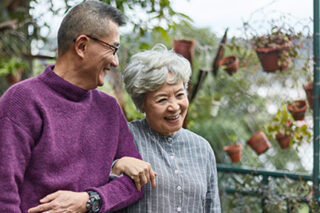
[[115, 61]]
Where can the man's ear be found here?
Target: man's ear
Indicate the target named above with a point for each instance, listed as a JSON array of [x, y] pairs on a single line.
[[81, 45]]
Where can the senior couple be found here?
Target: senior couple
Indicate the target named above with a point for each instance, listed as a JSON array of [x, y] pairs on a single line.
[[60, 138]]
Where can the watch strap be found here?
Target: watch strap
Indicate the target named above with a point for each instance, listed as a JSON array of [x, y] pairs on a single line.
[[94, 203]]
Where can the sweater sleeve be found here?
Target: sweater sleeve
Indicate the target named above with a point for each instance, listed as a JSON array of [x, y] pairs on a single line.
[[120, 192], [15, 146]]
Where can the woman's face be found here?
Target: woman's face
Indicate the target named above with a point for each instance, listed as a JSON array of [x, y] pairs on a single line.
[[166, 108]]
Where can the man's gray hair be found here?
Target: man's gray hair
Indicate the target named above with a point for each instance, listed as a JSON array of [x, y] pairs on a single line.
[[147, 71], [87, 18]]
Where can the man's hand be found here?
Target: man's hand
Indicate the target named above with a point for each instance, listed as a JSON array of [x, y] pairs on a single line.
[[62, 201], [140, 171]]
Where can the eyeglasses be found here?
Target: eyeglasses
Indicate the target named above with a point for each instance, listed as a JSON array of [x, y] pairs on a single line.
[[115, 48]]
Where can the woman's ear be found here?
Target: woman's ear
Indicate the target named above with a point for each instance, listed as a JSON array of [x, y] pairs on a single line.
[[81, 45]]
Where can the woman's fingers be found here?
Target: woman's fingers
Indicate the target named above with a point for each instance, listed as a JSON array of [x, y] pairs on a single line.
[[153, 178]]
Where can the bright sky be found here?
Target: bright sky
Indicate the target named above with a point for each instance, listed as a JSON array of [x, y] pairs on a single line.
[[218, 15]]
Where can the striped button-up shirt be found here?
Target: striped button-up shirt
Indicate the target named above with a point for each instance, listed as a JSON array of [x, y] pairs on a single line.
[[186, 168]]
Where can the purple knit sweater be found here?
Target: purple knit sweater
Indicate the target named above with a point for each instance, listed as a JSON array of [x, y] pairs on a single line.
[[56, 136]]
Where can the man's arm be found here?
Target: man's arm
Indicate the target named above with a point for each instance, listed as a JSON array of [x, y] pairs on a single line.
[[120, 192], [15, 152]]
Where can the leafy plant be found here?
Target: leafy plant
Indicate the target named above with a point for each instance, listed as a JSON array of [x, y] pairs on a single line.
[[11, 65], [279, 37], [283, 123]]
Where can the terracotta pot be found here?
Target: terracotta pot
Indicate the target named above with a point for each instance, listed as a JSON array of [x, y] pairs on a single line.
[[184, 48], [297, 109], [14, 78], [283, 140], [230, 63], [259, 142], [234, 151], [269, 58], [308, 88]]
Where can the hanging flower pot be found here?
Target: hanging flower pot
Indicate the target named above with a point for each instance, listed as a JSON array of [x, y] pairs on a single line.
[[184, 48], [230, 64], [274, 58], [259, 142], [283, 140], [308, 88], [297, 109], [234, 151], [14, 77]]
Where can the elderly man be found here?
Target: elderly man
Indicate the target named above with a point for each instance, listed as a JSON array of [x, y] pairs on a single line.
[[58, 134]]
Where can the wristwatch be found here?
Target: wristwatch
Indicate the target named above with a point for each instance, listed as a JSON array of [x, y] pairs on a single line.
[[94, 203]]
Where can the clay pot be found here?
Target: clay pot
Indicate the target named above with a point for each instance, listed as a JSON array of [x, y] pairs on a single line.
[[234, 151], [269, 57], [230, 64], [283, 140], [184, 48], [308, 88], [259, 142], [14, 78], [298, 109]]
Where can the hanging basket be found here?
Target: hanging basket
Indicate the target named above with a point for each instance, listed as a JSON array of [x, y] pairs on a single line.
[[298, 109], [230, 64], [283, 140], [259, 142], [269, 57], [13, 78], [234, 151], [184, 48], [308, 88]]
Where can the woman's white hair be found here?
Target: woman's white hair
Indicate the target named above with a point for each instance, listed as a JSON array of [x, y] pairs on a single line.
[[147, 71]]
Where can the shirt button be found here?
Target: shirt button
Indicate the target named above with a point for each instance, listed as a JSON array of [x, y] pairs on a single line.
[[179, 188], [176, 171], [179, 209]]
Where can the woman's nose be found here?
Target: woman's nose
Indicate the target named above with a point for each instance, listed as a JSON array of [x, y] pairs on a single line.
[[173, 106]]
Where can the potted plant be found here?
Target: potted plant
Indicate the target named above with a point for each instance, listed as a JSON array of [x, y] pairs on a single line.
[[259, 142], [185, 48], [297, 109], [281, 127], [230, 64], [275, 49], [308, 88], [286, 131], [234, 150], [12, 69]]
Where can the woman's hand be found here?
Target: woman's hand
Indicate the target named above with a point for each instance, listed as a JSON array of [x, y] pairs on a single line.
[[62, 201], [140, 171]]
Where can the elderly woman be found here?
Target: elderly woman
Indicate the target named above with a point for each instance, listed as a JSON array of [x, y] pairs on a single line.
[[184, 162]]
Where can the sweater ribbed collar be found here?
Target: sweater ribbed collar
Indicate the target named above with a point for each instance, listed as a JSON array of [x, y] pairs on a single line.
[[61, 86]]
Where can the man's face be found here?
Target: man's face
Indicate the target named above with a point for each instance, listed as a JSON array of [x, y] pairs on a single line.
[[102, 56]]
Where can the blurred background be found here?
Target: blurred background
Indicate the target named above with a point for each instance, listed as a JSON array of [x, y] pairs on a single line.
[[235, 95]]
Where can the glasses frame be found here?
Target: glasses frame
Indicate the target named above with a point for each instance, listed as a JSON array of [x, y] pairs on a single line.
[[115, 48]]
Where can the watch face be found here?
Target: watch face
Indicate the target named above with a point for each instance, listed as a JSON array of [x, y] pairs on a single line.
[[94, 202], [96, 206]]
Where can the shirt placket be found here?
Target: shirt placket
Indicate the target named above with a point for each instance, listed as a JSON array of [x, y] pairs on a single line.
[[177, 177]]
